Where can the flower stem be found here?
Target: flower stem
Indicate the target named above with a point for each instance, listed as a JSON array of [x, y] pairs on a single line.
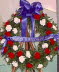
[[13, 69], [40, 70], [27, 70]]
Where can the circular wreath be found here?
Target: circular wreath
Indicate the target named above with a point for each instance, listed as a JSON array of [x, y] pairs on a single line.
[[41, 52]]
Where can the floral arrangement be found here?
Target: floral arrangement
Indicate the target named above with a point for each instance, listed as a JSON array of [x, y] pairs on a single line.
[[30, 54]]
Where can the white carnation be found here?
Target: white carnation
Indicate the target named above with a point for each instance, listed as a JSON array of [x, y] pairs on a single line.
[[15, 64], [8, 27], [43, 22], [1, 29], [54, 27], [2, 41], [51, 56], [40, 66], [22, 59], [29, 30], [48, 58], [44, 45], [37, 34], [7, 59], [15, 30], [28, 54], [16, 20], [15, 48]]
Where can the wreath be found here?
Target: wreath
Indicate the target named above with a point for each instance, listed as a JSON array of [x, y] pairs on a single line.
[[29, 55]]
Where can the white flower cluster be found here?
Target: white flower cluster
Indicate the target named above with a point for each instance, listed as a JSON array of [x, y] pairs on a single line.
[[15, 64], [8, 27], [22, 59], [43, 22], [15, 48], [1, 29], [45, 45], [40, 66], [54, 27], [7, 59], [15, 30], [49, 57], [16, 20], [2, 41], [28, 55]]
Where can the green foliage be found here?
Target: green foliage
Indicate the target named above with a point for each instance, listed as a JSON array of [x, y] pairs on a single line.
[[39, 29]]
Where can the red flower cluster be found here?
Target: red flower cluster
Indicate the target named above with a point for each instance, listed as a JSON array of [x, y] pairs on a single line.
[[47, 51], [1, 37], [5, 49], [43, 14], [49, 25], [48, 32], [10, 43], [37, 17], [8, 34], [29, 65], [14, 14], [37, 55], [20, 19], [20, 53], [7, 23], [11, 55], [52, 42], [56, 49]]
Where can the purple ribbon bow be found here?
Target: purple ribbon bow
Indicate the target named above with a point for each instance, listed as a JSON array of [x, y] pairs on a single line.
[[27, 10]]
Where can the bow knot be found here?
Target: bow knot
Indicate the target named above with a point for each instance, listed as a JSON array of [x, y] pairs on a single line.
[[27, 8]]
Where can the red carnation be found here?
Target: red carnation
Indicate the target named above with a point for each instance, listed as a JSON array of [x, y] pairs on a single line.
[[52, 42], [5, 49], [1, 37], [8, 34], [20, 53], [37, 17], [7, 23], [49, 25], [37, 55], [48, 32], [56, 49], [29, 65], [47, 51], [14, 14], [20, 19], [11, 55], [43, 14], [10, 43]]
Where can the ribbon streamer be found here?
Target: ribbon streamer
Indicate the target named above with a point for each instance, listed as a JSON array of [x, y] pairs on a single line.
[[34, 39], [30, 39]]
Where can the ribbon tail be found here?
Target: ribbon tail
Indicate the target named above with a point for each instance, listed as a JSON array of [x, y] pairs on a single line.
[[4, 46], [33, 27], [56, 36], [24, 27]]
